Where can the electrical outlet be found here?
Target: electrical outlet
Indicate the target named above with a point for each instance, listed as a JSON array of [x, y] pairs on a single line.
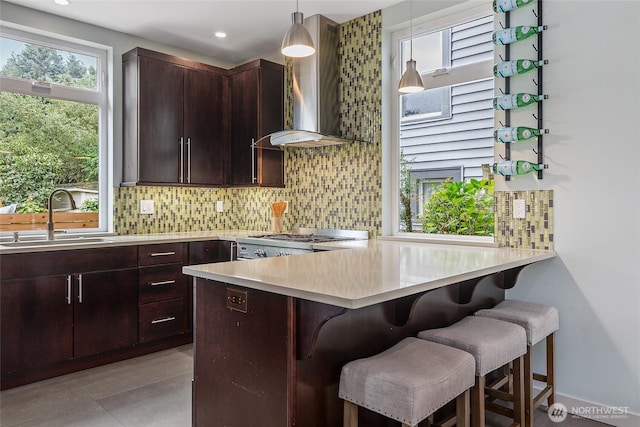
[[219, 206], [146, 207], [519, 208]]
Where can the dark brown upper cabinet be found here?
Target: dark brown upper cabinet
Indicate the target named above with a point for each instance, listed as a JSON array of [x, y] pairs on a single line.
[[257, 109], [175, 120]]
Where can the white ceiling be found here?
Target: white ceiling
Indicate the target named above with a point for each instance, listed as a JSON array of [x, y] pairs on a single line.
[[253, 27]]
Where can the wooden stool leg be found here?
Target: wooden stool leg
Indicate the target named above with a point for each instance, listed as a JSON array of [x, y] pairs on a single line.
[[518, 391], [350, 418], [477, 402], [550, 369], [528, 388], [462, 410]]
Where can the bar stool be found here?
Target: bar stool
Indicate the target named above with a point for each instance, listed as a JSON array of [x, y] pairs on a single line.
[[494, 344], [408, 382], [539, 321]]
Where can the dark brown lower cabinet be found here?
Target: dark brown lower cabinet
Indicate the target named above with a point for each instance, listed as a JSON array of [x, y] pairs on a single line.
[[65, 306], [105, 312], [37, 322]]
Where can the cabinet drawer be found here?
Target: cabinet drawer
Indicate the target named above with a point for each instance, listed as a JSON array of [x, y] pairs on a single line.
[[165, 253], [163, 319], [161, 283]]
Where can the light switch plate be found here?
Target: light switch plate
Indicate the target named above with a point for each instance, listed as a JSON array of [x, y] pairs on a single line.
[[519, 208], [146, 207], [219, 206]]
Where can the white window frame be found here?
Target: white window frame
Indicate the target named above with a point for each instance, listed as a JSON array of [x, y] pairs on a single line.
[[438, 78], [101, 97]]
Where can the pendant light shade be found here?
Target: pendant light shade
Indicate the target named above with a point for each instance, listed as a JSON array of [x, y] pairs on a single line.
[[411, 82], [297, 41]]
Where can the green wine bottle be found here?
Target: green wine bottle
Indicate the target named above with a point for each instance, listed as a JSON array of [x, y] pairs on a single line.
[[516, 167], [517, 66], [516, 100], [507, 5], [515, 134], [515, 34]]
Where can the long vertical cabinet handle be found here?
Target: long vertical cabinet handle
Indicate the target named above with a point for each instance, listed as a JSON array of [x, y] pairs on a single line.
[[188, 160], [181, 143], [80, 288], [253, 161], [69, 289]]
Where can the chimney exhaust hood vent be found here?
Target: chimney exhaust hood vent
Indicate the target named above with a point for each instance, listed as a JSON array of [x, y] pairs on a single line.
[[316, 109]]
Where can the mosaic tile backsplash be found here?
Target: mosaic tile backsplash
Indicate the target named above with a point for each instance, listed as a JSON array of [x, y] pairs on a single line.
[[535, 231], [328, 187]]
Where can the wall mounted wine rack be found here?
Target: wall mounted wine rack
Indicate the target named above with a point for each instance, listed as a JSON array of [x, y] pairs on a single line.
[[538, 81]]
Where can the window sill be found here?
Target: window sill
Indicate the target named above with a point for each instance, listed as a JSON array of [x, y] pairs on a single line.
[[443, 239]]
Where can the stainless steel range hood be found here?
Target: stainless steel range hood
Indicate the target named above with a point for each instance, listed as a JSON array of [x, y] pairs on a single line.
[[316, 109]]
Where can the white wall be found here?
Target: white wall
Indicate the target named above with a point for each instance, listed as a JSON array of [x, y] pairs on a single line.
[[593, 110], [593, 82]]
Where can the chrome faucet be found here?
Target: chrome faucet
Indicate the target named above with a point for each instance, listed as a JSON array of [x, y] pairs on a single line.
[[50, 235]]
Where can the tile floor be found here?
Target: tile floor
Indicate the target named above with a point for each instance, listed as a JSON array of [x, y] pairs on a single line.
[[152, 391]]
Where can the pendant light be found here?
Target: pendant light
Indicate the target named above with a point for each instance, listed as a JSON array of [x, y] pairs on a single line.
[[411, 82], [297, 41]]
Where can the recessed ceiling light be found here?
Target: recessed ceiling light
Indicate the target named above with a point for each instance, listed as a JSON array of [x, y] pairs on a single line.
[[62, 2], [220, 34]]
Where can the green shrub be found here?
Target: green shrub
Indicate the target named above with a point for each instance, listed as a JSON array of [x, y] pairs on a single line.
[[89, 205], [463, 208]]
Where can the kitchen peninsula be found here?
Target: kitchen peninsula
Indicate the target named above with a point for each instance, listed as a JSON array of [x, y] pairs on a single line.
[[271, 335]]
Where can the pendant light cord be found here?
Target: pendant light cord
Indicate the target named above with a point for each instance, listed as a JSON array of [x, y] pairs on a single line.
[[410, 28]]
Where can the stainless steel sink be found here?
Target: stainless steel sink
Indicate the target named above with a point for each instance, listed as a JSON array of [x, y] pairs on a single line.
[[58, 242]]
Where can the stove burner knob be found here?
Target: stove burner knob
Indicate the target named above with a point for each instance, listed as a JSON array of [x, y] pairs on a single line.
[[260, 253]]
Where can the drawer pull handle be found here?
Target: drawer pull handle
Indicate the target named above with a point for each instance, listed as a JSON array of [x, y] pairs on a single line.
[[166, 282], [162, 253], [166, 319]]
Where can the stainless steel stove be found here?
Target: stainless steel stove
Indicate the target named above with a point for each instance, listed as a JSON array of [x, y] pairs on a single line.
[[299, 241]]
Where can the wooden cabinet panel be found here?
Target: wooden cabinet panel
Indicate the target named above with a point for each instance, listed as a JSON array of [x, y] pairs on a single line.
[[37, 322], [205, 127], [162, 253], [257, 109], [161, 283], [160, 121], [204, 252], [163, 319], [105, 311], [260, 375]]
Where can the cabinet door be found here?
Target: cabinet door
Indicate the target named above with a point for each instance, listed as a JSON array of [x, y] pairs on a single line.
[[105, 315], [244, 125], [161, 90], [203, 252], [37, 322], [270, 166], [204, 127]]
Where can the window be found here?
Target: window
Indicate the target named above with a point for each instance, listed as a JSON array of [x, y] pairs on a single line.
[[445, 133], [53, 131]]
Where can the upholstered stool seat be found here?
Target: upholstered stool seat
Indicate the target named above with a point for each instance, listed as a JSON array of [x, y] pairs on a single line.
[[408, 382], [493, 343], [540, 321]]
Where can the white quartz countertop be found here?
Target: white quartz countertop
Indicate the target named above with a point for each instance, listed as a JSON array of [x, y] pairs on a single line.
[[84, 241], [367, 272]]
